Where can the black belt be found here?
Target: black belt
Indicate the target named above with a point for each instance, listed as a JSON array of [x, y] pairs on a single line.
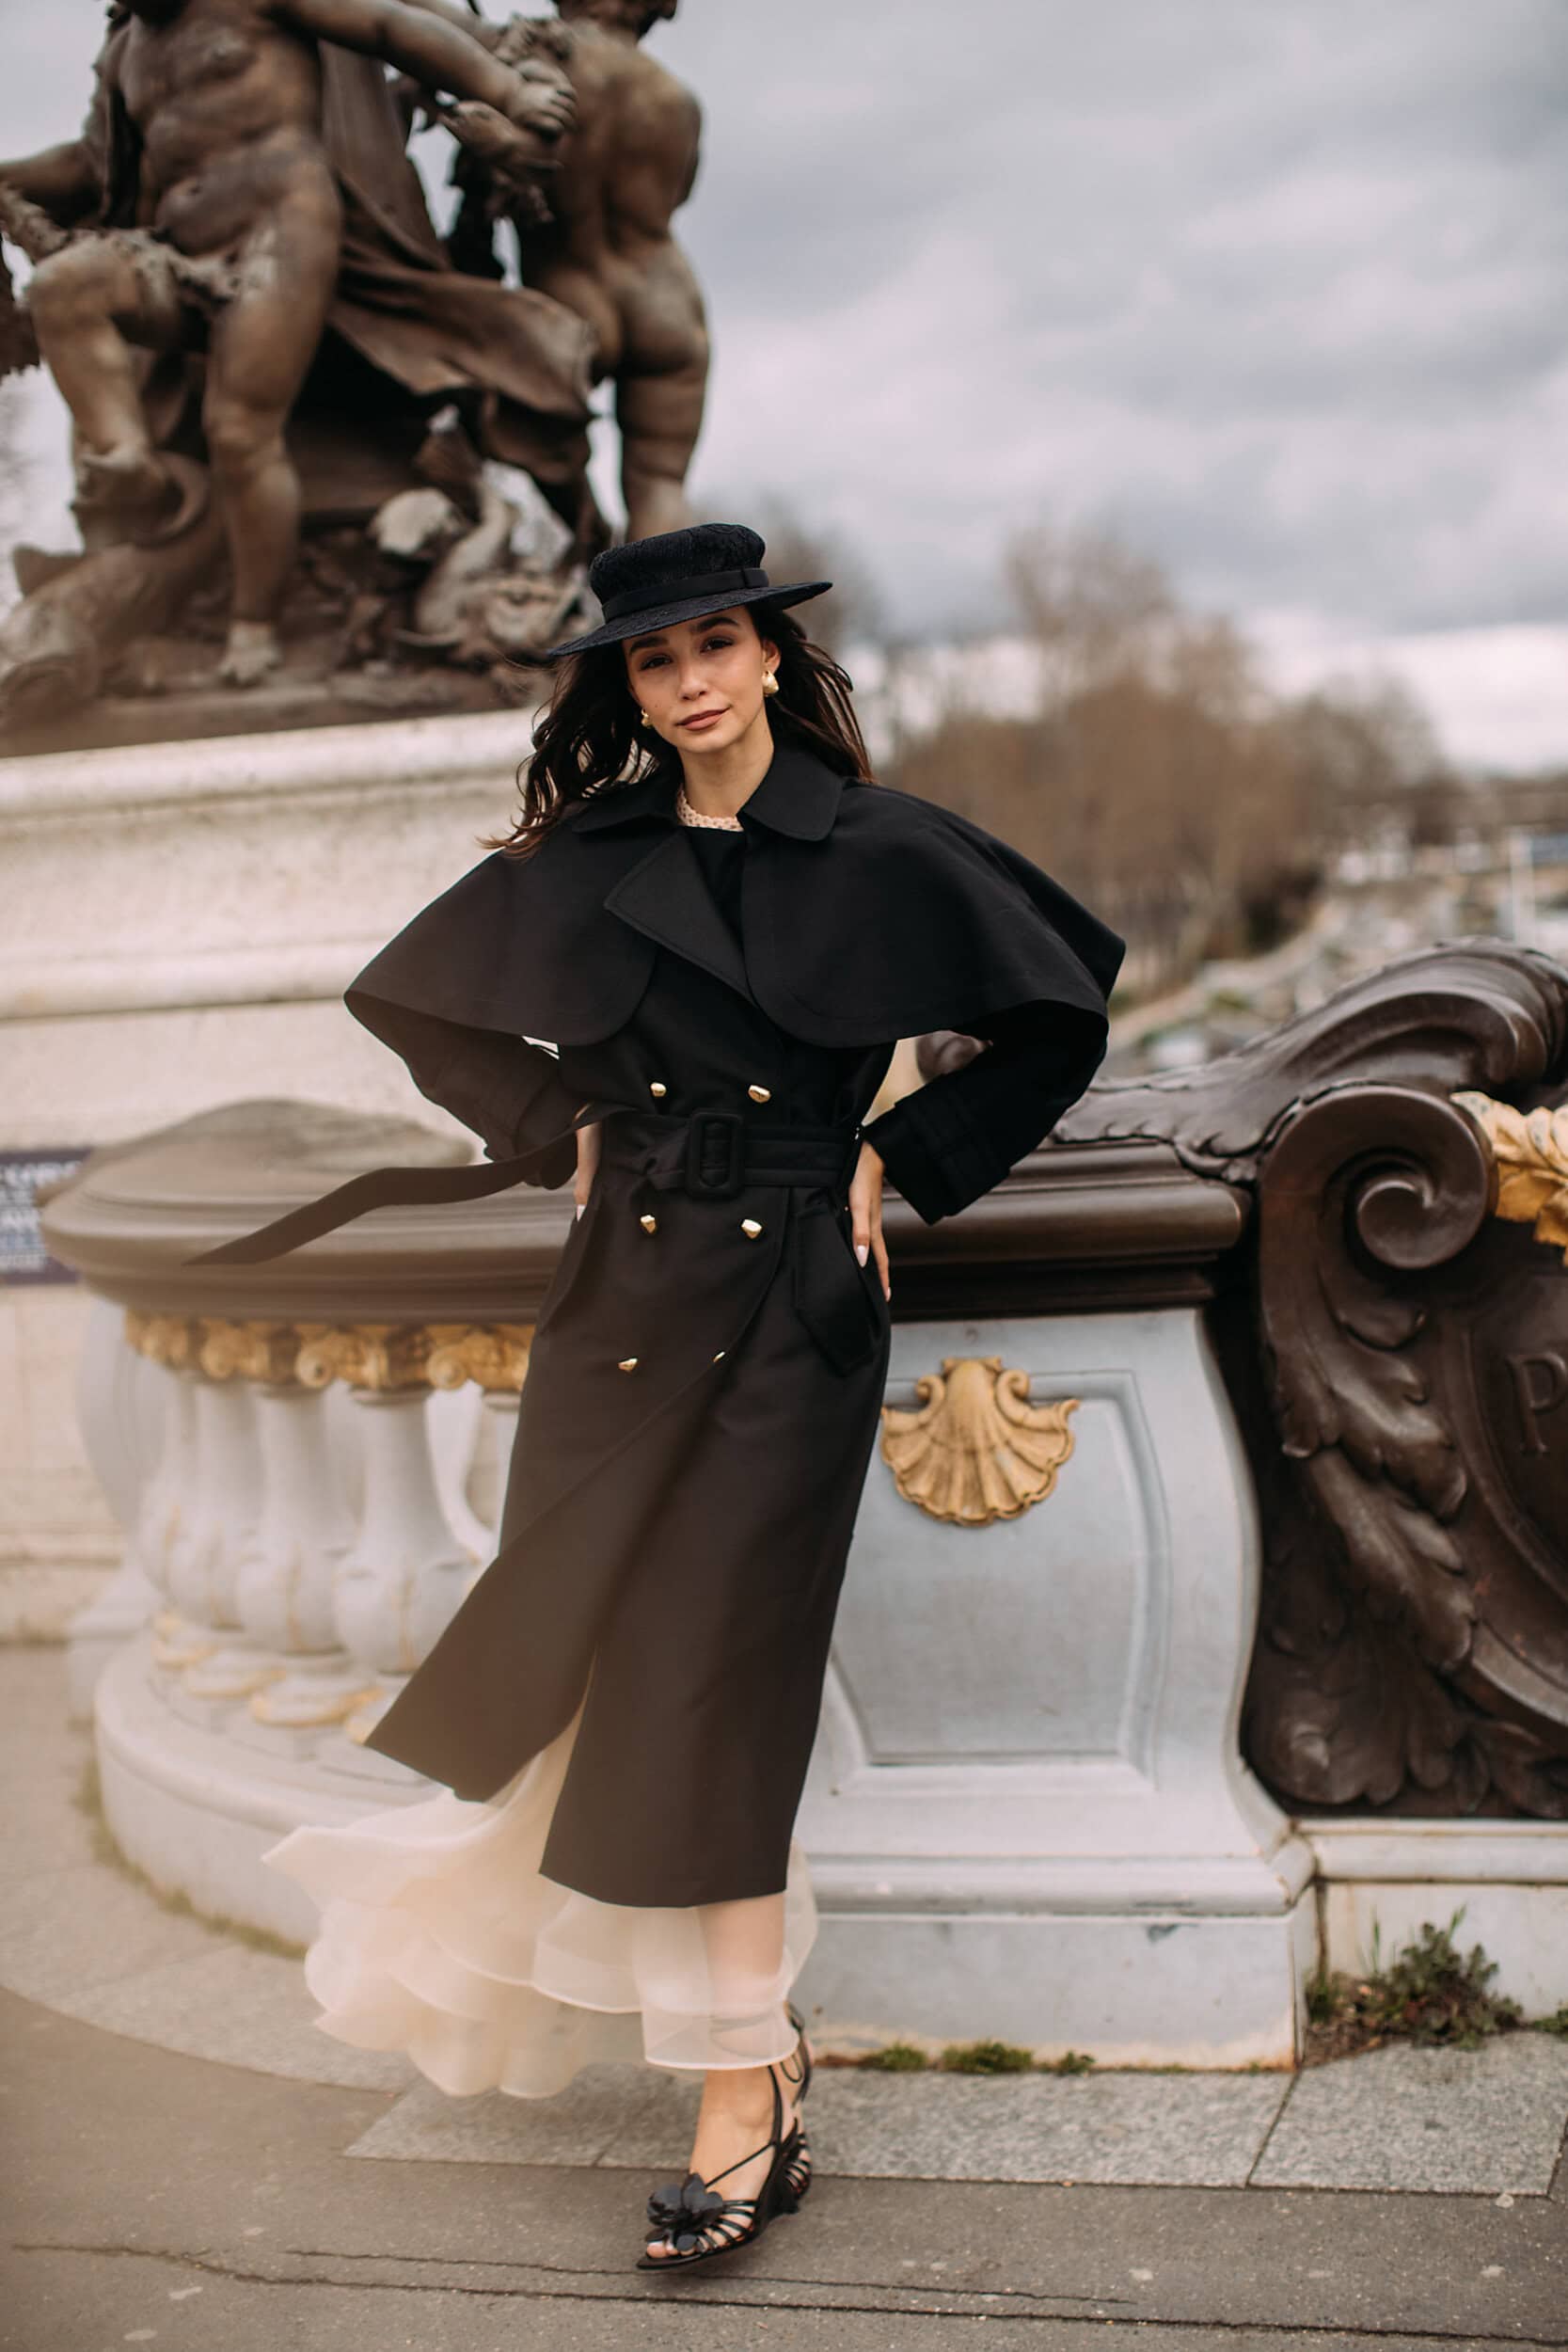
[[712, 1155]]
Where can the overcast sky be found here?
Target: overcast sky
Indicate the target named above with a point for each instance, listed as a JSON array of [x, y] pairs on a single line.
[[1276, 286]]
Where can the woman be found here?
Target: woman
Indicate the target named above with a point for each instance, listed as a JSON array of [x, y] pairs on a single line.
[[720, 926]]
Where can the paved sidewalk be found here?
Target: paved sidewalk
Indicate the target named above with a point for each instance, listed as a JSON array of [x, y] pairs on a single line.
[[191, 2164]]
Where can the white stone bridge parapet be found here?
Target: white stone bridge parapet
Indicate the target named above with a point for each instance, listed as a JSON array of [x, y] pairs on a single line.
[[1027, 1813], [1208, 1594]]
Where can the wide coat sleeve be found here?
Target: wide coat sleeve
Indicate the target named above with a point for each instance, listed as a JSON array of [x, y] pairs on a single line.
[[507, 1089], [950, 1140], [913, 919]]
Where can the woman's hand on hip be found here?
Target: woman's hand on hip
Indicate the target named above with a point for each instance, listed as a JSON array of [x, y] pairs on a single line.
[[865, 1212], [588, 1141]]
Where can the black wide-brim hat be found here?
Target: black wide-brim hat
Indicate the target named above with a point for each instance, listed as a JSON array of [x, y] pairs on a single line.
[[678, 576]]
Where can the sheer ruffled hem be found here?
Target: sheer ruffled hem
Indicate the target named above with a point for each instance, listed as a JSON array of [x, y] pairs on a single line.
[[440, 1937]]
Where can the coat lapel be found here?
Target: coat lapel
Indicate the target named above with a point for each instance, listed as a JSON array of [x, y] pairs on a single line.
[[666, 898], [665, 895]]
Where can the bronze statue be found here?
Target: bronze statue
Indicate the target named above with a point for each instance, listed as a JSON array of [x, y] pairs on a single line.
[[604, 245], [218, 226]]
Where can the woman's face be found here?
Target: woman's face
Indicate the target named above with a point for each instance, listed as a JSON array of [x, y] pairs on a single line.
[[700, 682]]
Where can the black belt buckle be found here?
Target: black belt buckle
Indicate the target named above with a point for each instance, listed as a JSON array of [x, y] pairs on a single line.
[[728, 1131]]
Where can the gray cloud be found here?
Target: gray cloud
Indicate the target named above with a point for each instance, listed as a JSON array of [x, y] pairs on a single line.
[[1280, 290], [1277, 288]]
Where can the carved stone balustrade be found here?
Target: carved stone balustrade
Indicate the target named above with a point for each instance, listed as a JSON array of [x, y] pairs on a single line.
[[300, 1528]]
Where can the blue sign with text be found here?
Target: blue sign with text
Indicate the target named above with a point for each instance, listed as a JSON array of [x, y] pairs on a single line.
[[23, 1255]]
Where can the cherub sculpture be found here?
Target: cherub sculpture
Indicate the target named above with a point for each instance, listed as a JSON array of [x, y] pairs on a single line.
[[214, 225], [604, 245]]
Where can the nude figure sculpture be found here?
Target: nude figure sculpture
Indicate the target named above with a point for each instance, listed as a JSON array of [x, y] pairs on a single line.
[[604, 245], [230, 244]]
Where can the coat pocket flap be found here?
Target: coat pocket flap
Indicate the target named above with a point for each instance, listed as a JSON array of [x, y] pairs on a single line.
[[831, 1294]]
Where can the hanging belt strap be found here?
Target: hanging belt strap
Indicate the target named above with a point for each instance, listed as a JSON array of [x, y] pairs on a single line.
[[712, 1155], [378, 1188]]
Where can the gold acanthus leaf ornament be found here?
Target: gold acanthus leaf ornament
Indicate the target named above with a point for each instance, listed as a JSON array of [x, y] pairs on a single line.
[[493, 1354], [1531, 1151], [376, 1356], [977, 1450], [250, 1351], [172, 1340]]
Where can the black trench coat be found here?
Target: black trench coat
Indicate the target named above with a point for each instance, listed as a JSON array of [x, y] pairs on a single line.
[[708, 1362]]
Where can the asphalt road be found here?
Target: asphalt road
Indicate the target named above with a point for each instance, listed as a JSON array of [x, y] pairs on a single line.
[[154, 2198]]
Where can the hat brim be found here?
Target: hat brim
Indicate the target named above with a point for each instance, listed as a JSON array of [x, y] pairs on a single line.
[[689, 608]]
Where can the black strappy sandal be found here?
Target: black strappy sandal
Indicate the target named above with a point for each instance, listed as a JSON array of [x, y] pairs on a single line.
[[699, 2223], [798, 2170]]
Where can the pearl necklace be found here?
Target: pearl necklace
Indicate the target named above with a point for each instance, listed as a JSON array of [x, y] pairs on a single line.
[[690, 816]]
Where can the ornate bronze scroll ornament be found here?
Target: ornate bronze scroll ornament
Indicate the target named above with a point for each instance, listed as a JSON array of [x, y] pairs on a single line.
[[1337, 1220], [1398, 1361], [977, 1450]]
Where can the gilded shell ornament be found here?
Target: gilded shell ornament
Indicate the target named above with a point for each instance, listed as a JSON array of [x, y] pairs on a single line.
[[975, 1449]]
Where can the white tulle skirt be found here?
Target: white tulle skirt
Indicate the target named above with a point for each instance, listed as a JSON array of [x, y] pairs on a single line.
[[439, 1937]]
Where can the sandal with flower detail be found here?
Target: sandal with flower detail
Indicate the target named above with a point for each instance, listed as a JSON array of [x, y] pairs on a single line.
[[699, 2223]]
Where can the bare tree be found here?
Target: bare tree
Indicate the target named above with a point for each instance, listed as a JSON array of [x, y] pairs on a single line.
[[1093, 605], [1372, 738], [1157, 774]]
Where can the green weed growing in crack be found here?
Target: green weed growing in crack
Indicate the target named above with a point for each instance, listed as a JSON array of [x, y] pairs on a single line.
[[968, 2057], [1429, 1992], [895, 2057], [985, 2058]]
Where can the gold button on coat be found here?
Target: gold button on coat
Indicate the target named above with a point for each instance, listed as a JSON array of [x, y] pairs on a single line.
[[649, 1224], [658, 1087], [760, 1094], [627, 1363], [749, 1227]]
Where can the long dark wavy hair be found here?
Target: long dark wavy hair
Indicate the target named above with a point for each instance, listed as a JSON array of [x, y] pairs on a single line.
[[587, 739]]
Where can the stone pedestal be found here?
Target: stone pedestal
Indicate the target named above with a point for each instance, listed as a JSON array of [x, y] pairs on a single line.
[[1027, 1814], [250, 877], [177, 914]]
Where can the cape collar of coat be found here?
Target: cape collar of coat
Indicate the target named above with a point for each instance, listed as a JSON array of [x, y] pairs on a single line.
[[798, 797], [868, 915], [665, 895]]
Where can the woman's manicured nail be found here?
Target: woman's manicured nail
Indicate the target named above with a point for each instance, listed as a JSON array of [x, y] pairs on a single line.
[[578, 1210], [862, 1251]]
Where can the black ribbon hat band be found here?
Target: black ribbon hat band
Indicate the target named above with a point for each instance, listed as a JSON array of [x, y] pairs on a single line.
[[649, 600]]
